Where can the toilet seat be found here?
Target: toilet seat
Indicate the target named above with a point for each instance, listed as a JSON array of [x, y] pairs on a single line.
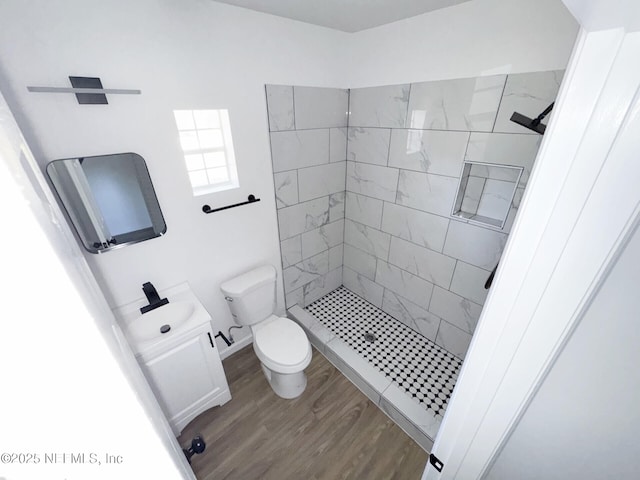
[[281, 345]]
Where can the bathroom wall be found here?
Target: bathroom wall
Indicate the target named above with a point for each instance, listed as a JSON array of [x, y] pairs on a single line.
[[84, 389], [202, 54], [193, 54], [407, 143], [308, 129], [472, 39]]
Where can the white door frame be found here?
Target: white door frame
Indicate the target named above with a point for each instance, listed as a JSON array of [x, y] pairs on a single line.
[[581, 202], [84, 294]]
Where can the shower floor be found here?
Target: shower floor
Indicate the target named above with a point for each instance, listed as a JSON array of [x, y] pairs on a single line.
[[421, 368], [410, 377]]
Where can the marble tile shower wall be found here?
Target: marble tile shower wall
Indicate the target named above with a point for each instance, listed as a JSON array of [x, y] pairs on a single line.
[[308, 129], [403, 252], [365, 199]]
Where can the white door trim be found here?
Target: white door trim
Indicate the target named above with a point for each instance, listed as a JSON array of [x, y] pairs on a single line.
[[79, 293], [580, 204]]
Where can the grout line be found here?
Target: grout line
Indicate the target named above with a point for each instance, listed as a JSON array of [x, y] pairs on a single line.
[[310, 166], [458, 328], [346, 152], [444, 243], [312, 199], [384, 208], [474, 266], [438, 331], [348, 107], [522, 134], [495, 120], [297, 187], [311, 129], [389, 148], [280, 240], [484, 184], [452, 275], [433, 287], [293, 105], [431, 300], [397, 186], [455, 177], [296, 169], [266, 94], [389, 250], [307, 201], [406, 117], [416, 209]]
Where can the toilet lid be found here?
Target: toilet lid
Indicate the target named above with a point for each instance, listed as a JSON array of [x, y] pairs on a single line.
[[282, 341]]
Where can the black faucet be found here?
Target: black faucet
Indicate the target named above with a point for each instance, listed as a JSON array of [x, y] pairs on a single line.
[[152, 297]]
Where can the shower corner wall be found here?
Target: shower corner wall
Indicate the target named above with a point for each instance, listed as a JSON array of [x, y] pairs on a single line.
[[308, 133], [365, 200]]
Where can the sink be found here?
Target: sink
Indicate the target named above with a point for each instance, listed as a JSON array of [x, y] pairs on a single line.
[[182, 314], [147, 326]]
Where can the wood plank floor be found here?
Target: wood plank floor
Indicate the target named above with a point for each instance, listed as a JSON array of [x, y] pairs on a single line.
[[332, 431]]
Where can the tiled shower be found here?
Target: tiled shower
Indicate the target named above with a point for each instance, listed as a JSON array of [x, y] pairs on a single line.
[[403, 194], [365, 199], [309, 151]]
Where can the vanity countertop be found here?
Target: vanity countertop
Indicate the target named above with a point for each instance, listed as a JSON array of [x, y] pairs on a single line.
[[184, 314]]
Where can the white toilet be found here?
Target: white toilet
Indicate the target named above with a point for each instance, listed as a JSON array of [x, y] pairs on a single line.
[[279, 343]]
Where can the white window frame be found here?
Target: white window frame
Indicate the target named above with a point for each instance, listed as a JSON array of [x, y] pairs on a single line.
[[212, 186]]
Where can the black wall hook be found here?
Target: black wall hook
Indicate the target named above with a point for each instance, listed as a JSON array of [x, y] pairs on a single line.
[[250, 199]]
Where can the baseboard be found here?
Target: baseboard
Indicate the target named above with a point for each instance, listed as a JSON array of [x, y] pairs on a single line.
[[238, 345]]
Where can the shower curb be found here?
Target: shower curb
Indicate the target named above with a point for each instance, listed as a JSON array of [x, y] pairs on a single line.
[[388, 397]]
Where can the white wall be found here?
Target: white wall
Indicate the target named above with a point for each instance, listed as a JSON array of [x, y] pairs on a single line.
[[481, 37], [182, 55], [70, 383], [596, 15], [200, 54], [583, 421]]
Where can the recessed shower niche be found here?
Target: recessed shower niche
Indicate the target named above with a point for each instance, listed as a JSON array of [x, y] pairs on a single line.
[[486, 192]]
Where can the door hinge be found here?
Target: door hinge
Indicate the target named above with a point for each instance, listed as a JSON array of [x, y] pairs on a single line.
[[437, 464]]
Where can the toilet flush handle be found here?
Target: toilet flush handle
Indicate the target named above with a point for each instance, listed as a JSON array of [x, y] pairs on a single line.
[[228, 299]]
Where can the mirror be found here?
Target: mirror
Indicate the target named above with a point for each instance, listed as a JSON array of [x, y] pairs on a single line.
[[109, 199]]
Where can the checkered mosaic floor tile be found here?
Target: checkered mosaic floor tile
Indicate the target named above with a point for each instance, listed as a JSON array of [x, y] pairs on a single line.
[[424, 370]]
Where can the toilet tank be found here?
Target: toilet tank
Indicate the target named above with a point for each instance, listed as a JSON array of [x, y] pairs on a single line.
[[251, 297]]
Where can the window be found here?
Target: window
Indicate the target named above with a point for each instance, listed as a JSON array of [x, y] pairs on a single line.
[[205, 137]]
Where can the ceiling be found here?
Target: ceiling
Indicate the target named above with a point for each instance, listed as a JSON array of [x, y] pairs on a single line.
[[346, 15]]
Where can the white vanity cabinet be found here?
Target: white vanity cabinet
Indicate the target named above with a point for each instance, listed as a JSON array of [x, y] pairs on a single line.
[[187, 378], [174, 345]]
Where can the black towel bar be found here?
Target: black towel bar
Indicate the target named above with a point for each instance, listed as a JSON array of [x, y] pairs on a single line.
[[250, 199]]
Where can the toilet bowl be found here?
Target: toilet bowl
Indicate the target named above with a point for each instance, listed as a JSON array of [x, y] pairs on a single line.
[[279, 343], [284, 352]]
